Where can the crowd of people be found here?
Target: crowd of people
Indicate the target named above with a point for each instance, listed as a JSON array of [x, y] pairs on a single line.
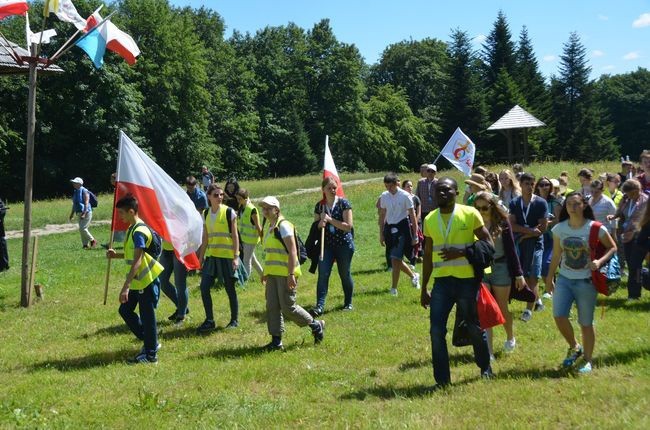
[[537, 229]]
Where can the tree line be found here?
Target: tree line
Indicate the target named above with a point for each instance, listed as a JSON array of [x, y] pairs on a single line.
[[259, 105]]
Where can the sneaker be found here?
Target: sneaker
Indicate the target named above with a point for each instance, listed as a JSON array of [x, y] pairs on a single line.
[[526, 315], [393, 292], [232, 324], [272, 346], [319, 333], [509, 345], [93, 243], [348, 307], [143, 358], [415, 281], [548, 296], [492, 358], [539, 306], [179, 320], [142, 351], [206, 327], [585, 368], [571, 356], [487, 374], [172, 317], [316, 311]]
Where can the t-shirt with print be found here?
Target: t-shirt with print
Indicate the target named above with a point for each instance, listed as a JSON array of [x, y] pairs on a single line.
[[576, 254], [530, 214], [333, 235]]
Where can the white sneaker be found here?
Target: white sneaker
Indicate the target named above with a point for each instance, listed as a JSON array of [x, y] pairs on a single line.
[[393, 292], [492, 358], [415, 281], [547, 296], [526, 315], [509, 345]]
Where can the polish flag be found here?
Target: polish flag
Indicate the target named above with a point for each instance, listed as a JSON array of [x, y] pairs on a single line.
[[329, 169], [102, 35], [162, 204], [12, 7]]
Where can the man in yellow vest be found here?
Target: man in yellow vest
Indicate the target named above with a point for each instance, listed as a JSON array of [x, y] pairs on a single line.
[[281, 273], [448, 231], [141, 287]]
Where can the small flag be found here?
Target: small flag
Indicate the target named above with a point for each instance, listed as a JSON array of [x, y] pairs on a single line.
[[460, 151], [104, 36], [12, 7], [65, 11], [163, 204], [329, 169]]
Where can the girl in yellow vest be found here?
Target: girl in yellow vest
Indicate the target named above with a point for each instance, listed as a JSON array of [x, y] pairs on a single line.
[[141, 287], [250, 231], [220, 248], [281, 273]]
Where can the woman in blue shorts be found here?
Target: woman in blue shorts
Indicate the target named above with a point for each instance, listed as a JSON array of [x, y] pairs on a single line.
[[572, 254], [506, 267]]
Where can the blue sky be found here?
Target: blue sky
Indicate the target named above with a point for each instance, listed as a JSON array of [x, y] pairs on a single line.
[[616, 34]]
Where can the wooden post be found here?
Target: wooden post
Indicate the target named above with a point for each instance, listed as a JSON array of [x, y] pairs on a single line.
[[29, 176], [526, 160], [108, 268], [33, 269]]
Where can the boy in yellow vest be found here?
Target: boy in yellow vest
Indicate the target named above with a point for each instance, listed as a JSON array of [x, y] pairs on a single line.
[[281, 273], [448, 231], [141, 287]]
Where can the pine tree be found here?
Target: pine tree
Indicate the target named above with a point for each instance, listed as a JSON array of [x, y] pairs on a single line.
[[498, 51]]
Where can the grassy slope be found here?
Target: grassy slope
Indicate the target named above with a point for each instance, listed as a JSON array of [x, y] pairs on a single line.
[[62, 360]]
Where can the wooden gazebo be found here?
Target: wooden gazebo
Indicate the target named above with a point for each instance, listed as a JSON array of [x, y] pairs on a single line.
[[13, 60], [514, 125]]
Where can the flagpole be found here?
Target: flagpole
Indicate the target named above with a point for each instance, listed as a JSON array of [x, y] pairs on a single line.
[[110, 243], [73, 36], [54, 58], [322, 230]]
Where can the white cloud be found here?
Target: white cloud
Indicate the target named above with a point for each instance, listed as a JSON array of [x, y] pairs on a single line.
[[597, 53], [602, 17], [549, 58], [608, 67], [479, 38], [634, 55], [642, 21]]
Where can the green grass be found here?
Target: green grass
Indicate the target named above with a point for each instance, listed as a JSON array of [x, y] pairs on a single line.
[[62, 361]]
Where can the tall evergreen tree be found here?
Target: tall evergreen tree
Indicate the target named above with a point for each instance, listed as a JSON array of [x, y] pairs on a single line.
[[498, 50], [581, 127]]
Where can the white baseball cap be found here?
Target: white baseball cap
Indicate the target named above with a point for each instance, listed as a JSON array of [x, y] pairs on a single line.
[[432, 167], [271, 201], [77, 180]]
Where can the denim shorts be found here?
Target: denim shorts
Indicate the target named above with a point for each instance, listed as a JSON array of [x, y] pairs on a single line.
[[398, 243], [530, 256], [500, 274], [580, 291]]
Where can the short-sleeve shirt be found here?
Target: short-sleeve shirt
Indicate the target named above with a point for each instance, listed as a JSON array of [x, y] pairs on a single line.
[[538, 210], [333, 235], [199, 198], [603, 207], [139, 240], [576, 254], [206, 179], [396, 205]]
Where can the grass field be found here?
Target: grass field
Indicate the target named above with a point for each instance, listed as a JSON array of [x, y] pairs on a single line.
[[62, 361]]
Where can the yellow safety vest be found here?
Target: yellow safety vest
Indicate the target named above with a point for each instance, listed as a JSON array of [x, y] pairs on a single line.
[[461, 235], [219, 238], [149, 268], [247, 231], [276, 259]]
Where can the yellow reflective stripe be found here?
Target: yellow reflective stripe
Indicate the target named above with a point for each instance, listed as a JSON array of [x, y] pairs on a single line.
[[146, 270], [276, 263], [450, 245], [275, 251], [218, 234], [455, 262]]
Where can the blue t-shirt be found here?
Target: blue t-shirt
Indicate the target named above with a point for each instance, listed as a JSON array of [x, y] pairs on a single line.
[[199, 198], [139, 240], [538, 210], [79, 202]]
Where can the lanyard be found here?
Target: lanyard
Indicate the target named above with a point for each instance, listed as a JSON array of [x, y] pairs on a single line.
[[445, 234], [525, 214]]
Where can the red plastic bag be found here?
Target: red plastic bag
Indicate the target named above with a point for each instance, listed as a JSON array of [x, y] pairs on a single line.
[[489, 314]]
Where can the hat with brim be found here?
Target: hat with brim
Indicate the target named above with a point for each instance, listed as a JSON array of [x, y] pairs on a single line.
[[478, 181], [432, 167], [77, 180], [555, 183], [271, 201]]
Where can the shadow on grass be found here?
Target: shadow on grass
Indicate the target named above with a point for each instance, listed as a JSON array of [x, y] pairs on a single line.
[[259, 315], [622, 303], [108, 331], [244, 351], [369, 271], [454, 359], [185, 331], [388, 392], [97, 359]]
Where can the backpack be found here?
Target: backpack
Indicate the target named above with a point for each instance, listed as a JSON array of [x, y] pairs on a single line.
[[608, 277], [92, 199], [155, 247], [301, 250]]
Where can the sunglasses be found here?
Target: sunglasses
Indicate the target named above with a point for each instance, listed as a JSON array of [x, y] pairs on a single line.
[[483, 208], [544, 185]]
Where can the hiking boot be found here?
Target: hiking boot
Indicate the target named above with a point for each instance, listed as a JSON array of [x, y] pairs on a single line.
[[415, 281], [319, 333], [509, 345], [571, 356], [206, 327], [143, 359], [526, 315]]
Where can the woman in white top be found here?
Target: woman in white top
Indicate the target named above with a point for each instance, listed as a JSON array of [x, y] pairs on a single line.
[[572, 255], [509, 187], [602, 205]]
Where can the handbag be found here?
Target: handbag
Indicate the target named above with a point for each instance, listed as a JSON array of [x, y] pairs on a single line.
[[606, 279], [489, 313], [460, 336]]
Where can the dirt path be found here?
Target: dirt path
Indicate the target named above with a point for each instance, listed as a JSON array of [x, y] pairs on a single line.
[[65, 228]]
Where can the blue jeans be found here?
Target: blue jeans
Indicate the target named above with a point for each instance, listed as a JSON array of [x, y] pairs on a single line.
[[446, 292], [343, 256], [178, 293], [144, 325]]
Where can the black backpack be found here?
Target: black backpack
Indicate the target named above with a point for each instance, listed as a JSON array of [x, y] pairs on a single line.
[[92, 198], [155, 247], [301, 250]]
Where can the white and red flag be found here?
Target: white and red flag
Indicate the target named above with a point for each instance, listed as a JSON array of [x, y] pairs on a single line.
[[12, 7], [162, 204], [329, 169], [460, 151]]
